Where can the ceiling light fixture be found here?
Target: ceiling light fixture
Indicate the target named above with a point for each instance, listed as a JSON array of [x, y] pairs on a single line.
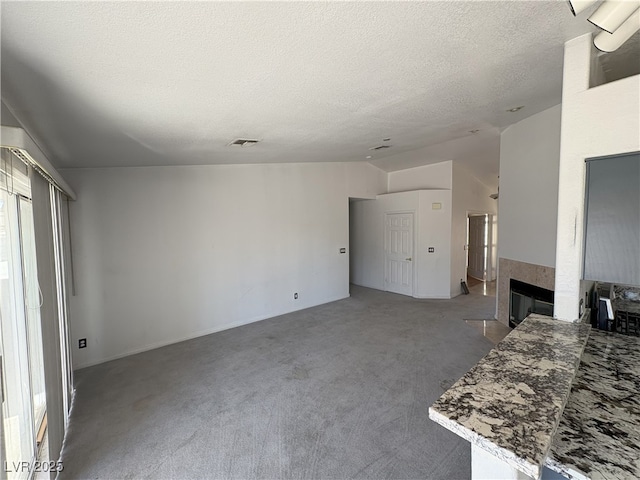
[[619, 20], [610, 42], [368, 156], [515, 109], [612, 14], [578, 6]]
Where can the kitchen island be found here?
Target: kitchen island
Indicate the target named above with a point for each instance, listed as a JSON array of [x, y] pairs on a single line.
[[510, 404], [552, 394], [599, 433]]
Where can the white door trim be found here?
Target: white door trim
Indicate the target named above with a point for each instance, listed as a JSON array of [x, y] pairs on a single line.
[[489, 270], [413, 262]]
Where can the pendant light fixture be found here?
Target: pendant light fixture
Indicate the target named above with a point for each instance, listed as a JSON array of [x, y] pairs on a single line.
[[612, 14], [610, 42], [619, 20], [578, 6]]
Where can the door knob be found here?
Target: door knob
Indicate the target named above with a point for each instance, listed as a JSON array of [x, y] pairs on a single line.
[[408, 259]]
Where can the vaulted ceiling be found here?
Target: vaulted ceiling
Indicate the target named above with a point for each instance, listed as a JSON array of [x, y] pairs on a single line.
[[172, 83]]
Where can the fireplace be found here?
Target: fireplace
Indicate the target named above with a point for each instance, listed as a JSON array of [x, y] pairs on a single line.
[[532, 274], [525, 298]]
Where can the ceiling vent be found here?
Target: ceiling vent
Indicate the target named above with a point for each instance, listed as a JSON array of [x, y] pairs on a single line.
[[243, 142], [380, 147]]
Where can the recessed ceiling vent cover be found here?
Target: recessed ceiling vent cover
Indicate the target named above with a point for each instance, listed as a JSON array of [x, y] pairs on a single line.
[[243, 142], [380, 147]]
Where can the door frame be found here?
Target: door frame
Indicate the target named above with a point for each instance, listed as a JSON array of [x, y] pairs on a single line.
[[21, 306], [414, 256], [488, 270]]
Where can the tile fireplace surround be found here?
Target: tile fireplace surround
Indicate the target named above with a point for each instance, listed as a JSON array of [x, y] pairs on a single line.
[[537, 275]]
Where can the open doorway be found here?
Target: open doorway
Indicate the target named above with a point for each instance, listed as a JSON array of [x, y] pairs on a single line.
[[353, 242], [480, 248], [477, 246]]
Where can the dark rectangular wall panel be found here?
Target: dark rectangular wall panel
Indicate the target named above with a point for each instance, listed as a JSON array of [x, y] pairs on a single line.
[[612, 240]]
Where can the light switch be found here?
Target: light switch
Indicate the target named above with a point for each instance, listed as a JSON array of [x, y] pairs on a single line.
[[436, 206]]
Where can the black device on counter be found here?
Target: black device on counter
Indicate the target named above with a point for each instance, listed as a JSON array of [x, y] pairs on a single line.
[[605, 315], [602, 316]]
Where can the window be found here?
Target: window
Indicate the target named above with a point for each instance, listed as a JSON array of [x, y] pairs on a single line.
[[612, 220]]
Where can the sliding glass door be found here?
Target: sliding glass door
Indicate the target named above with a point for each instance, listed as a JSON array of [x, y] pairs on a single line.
[[17, 412], [35, 362], [23, 381], [33, 302]]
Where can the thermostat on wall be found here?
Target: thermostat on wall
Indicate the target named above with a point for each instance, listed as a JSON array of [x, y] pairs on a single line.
[[436, 206]]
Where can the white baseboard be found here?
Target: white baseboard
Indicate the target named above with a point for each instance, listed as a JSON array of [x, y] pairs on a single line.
[[432, 297], [201, 333]]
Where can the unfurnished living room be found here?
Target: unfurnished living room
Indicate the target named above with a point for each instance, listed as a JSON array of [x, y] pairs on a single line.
[[332, 240]]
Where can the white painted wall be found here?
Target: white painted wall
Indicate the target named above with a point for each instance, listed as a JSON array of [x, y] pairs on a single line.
[[469, 196], [163, 254], [476, 152], [367, 235], [364, 180], [432, 228], [528, 204], [600, 121], [437, 175], [366, 244]]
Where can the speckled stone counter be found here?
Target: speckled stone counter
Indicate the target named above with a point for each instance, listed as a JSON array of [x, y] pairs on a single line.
[[599, 433], [627, 306], [510, 404]]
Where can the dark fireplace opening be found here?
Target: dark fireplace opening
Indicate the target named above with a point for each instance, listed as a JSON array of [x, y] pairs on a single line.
[[525, 298]]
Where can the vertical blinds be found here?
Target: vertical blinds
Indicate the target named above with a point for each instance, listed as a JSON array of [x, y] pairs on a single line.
[[14, 173], [22, 146], [18, 176], [612, 220], [51, 334]]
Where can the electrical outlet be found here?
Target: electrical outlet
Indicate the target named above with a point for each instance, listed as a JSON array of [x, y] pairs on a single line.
[[431, 249], [295, 296], [82, 343]]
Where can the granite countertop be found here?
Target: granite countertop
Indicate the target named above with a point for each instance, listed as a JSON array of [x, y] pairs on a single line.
[[626, 305], [511, 402], [599, 433]]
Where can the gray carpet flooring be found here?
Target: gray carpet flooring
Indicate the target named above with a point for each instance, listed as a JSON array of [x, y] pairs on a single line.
[[336, 391]]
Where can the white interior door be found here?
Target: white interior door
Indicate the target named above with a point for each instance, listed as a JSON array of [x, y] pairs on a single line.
[[477, 246], [398, 253]]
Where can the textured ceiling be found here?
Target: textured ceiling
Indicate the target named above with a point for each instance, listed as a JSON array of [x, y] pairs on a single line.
[[171, 83]]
